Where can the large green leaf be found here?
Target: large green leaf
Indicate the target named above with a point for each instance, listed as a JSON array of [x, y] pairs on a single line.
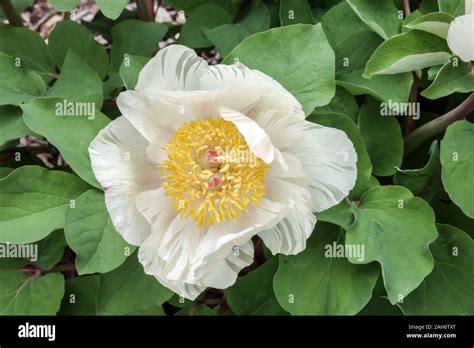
[[318, 283], [454, 7], [364, 165], [78, 83], [206, 16], [69, 35], [28, 46], [33, 201], [340, 214], [353, 48], [298, 56], [123, 291], [383, 138], [407, 52], [41, 116], [130, 69], [457, 161], [253, 293], [51, 250], [342, 103], [225, 37], [90, 233], [382, 17], [64, 5], [136, 38], [22, 295], [424, 182], [17, 84], [434, 23], [112, 8], [453, 77], [449, 289], [396, 228], [12, 125], [295, 11]]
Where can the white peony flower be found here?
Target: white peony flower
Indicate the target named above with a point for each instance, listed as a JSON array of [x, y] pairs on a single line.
[[461, 37], [206, 157], [469, 5]]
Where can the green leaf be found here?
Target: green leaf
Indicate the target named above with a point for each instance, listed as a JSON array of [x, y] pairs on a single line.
[[20, 295], [434, 23], [253, 294], [227, 36], [43, 117], [449, 289], [317, 283], [424, 182], [78, 83], [453, 7], [340, 215], [206, 16], [130, 69], [18, 5], [12, 125], [295, 11], [386, 88], [452, 78], [353, 49], [395, 228], [28, 46], [407, 52], [342, 103], [433, 72], [64, 5], [4, 171], [304, 66], [190, 5], [90, 233], [457, 161], [383, 138], [112, 8], [364, 166], [17, 84], [51, 250], [71, 36], [123, 291], [136, 38], [383, 17], [33, 202]]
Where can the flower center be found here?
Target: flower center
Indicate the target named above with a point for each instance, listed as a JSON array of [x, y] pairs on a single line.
[[211, 175]]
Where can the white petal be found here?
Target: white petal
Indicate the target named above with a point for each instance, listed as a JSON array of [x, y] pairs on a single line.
[[461, 37], [190, 258], [257, 139], [120, 165], [469, 6], [327, 156], [289, 235], [271, 93], [174, 68], [155, 117], [329, 160]]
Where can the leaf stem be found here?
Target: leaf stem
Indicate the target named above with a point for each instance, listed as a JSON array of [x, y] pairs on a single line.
[[438, 125], [144, 10], [406, 7], [11, 14]]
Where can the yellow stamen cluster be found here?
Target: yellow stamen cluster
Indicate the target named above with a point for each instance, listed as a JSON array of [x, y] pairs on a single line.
[[204, 177]]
